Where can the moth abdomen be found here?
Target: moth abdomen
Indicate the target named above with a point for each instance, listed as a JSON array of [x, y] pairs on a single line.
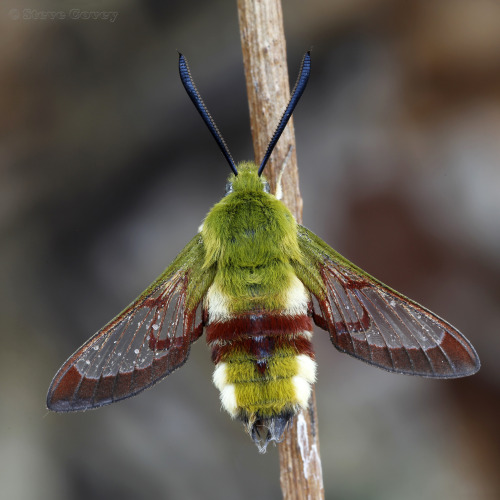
[[264, 369], [258, 279]]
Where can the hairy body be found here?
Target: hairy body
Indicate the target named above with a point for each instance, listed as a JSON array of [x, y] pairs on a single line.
[[249, 278], [256, 308]]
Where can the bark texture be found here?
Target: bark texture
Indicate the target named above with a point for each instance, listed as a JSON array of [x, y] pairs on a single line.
[[268, 87]]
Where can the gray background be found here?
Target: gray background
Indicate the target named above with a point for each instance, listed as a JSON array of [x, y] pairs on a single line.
[[106, 171]]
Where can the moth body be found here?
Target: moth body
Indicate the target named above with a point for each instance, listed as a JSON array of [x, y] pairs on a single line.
[[255, 281], [258, 327]]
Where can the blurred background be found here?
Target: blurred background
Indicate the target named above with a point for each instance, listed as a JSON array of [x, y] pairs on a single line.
[[106, 171]]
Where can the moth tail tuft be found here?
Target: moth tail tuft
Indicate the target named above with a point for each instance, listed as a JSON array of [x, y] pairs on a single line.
[[265, 430]]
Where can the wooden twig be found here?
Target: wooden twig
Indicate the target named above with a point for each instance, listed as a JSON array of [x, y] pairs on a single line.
[[264, 56]]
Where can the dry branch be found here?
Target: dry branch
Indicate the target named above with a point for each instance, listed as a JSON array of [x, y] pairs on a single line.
[[264, 56]]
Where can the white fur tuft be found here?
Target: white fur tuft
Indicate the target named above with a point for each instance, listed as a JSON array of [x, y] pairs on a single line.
[[307, 368], [228, 399], [217, 305], [297, 298], [219, 377], [302, 391]]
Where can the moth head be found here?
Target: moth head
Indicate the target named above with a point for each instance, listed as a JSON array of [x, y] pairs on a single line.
[[194, 95], [247, 180]]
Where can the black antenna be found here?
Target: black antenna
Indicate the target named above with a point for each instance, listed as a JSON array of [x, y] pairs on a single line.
[[300, 85], [193, 93]]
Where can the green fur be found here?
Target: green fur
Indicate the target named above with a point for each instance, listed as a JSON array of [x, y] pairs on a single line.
[[252, 238], [307, 270], [200, 278], [266, 399], [267, 394], [190, 259], [241, 368]]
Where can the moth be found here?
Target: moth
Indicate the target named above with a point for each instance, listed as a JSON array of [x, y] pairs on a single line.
[[256, 281]]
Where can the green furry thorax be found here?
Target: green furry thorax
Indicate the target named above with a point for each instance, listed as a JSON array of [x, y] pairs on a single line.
[[251, 237]]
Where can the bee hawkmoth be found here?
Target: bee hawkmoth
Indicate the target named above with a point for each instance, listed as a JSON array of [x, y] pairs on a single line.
[[256, 281]]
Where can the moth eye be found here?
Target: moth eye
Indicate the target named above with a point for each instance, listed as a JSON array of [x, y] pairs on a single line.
[[229, 188], [267, 189]]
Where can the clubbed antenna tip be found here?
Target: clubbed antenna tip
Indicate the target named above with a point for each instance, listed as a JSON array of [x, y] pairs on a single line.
[[298, 89], [193, 93]]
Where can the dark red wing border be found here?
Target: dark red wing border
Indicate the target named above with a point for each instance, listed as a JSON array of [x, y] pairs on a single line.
[[376, 324], [145, 343]]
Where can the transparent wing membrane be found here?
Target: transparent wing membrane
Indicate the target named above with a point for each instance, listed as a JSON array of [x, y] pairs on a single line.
[[376, 324], [143, 344]]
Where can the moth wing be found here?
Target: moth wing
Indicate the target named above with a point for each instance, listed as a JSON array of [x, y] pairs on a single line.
[[143, 344], [376, 324]]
